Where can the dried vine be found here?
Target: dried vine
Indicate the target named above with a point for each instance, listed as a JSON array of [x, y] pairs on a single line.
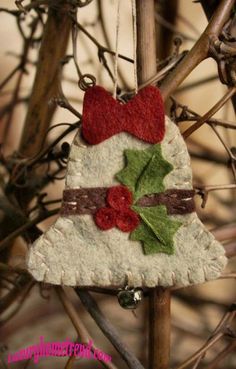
[[40, 160]]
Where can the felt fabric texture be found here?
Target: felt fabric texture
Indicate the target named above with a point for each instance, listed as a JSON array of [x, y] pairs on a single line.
[[73, 251], [144, 171], [103, 116], [176, 201], [119, 198], [118, 212], [89, 200], [144, 174], [105, 218], [127, 220], [156, 230], [83, 200], [88, 165]]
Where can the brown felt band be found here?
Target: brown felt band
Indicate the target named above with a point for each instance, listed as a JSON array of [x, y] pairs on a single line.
[[88, 200], [176, 201]]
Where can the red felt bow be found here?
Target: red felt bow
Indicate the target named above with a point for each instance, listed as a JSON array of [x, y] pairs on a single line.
[[103, 116]]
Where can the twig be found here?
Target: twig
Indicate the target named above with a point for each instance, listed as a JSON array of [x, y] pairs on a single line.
[[216, 187], [29, 163], [19, 305], [77, 322], [101, 48], [205, 156], [210, 113], [162, 73], [70, 362], [165, 22], [200, 50], [9, 77], [215, 337], [109, 331], [12, 104], [35, 4], [9, 269], [195, 301], [231, 275], [225, 232], [231, 155], [51, 53], [198, 83], [221, 356], [5, 242], [211, 121], [72, 313], [204, 190], [208, 7], [230, 249], [188, 114], [159, 302], [26, 49], [188, 23], [104, 291], [23, 282], [173, 29]]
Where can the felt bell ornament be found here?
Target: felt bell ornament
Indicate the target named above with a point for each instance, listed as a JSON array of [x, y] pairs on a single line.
[[128, 216]]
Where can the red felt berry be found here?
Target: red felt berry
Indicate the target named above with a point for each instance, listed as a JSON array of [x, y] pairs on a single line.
[[105, 218], [119, 198], [127, 220]]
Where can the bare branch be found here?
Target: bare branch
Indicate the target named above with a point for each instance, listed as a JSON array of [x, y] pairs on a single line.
[[210, 113], [200, 50], [109, 331], [77, 322]]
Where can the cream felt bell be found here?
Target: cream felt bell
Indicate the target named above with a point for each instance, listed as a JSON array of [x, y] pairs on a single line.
[[127, 215]]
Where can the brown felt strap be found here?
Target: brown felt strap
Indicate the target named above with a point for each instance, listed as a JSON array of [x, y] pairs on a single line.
[[83, 200], [89, 200], [176, 201]]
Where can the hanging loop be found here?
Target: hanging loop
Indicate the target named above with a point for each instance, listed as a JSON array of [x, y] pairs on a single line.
[[86, 81]]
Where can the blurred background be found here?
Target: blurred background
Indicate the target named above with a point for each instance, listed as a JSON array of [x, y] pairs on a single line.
[[195, 310]]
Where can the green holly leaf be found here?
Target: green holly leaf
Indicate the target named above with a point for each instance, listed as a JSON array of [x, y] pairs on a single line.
[[144, 174], [136, 162], [151, 180], [144, 171], [151, 244], [157, 229]]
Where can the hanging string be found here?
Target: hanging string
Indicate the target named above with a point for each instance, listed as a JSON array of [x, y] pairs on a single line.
[[117, 45], [135, 45], [134, 18]]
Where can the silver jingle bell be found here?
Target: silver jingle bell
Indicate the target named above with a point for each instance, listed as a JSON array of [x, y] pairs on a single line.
[[129, 298]]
